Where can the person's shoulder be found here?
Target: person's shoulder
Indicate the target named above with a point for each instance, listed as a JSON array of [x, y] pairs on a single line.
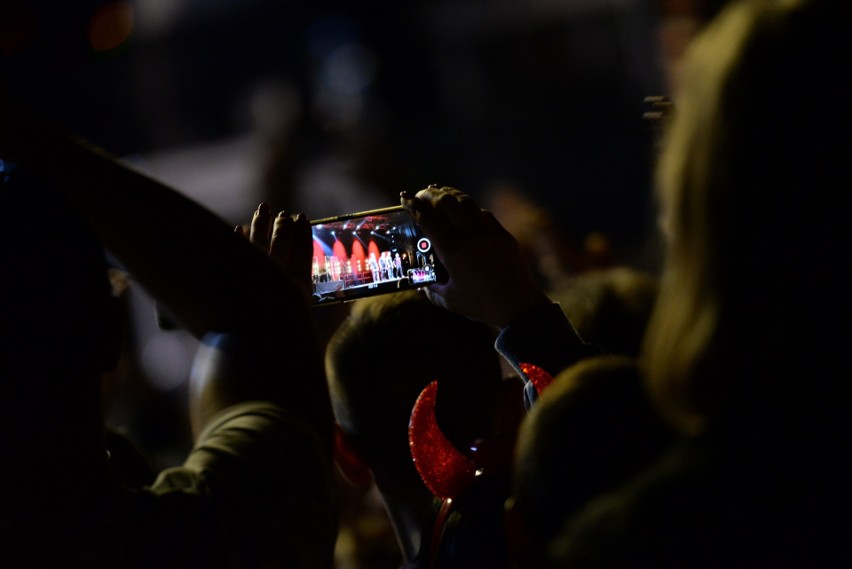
[[649, 522], [696, 508]]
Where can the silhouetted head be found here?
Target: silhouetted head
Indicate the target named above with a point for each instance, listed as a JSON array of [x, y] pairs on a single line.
[[380, 360], [387, 351], [610, 307], [591, 431]]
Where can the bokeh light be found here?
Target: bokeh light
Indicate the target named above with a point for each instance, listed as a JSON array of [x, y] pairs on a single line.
[[110, 27]]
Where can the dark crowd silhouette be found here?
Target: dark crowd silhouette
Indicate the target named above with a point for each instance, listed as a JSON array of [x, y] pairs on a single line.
[[546, 403]]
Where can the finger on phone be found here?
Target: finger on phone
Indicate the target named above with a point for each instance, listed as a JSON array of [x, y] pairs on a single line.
[[261, 227], [282, 239], [422, 210], [450, 207]]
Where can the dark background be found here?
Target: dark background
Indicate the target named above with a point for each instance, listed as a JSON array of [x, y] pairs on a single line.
[[546, 95]]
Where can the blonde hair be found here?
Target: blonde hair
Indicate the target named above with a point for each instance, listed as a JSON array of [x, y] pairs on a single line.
[[723, 198]]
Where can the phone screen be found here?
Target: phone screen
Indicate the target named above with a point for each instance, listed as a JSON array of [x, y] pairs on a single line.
[[368, 253]]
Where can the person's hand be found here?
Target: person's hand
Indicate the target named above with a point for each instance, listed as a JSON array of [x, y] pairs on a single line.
[[488, 278], [286, 239]]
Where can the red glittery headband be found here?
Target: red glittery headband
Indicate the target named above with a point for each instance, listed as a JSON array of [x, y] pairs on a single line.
[[444, 469]]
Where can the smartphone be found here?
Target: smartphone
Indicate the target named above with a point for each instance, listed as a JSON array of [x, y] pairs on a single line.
[[363, 254]]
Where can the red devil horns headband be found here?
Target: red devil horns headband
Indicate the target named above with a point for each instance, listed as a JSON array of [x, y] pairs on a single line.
[[445, 470], [539, 378]]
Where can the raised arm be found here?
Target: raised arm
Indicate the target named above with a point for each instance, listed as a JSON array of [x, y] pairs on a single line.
[[159, 235], [489, 281], [211, 280]]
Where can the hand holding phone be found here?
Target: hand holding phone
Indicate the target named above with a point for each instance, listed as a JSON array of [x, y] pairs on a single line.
[[285, 238], [488, 278], [363, 254]]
